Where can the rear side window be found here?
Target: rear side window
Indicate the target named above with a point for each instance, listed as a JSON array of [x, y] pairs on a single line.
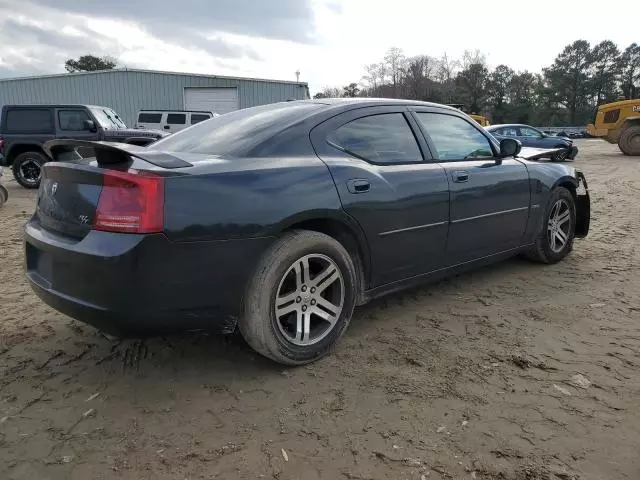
[[176, 118], [149, 118], [72, 120], [454, 137], [385, 138], [237, 132], [198, 117], [25, 120], [506, 132]]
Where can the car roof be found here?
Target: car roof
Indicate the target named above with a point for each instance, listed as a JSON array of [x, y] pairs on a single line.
[[503, 125], [54, 105], [150, 110], [368, 101]]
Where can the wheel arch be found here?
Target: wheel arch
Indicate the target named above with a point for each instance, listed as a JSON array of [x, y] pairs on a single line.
[[345, 230], [567, 182], [20, 148], [628, 122]]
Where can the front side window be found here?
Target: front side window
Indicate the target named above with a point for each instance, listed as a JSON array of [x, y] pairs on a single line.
[[72, 120], [385, 138], [529, 132], [176, 118], [454, 138]]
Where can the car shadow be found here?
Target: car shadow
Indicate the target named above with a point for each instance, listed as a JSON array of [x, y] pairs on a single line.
[[206, 353]]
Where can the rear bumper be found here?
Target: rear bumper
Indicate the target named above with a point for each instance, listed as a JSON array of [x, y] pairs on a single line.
[[141, 285]]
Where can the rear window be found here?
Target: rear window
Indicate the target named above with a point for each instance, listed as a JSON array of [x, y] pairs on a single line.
[[176, 118], [149, 118], [26, 120], [199, 117], [236, 131]]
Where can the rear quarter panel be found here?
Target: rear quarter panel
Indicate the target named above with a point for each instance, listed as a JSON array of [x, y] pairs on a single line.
[[248, 198]]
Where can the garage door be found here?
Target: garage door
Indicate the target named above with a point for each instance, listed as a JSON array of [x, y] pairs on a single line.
[[217, 100]]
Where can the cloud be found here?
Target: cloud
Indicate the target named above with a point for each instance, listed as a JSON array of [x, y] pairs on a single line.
[[186, 20], [33, 46]]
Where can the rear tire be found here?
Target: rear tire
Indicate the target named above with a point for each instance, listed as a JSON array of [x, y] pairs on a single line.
[[27, 169], [557, 229], [294, 317], [629, 142], [4, 195]]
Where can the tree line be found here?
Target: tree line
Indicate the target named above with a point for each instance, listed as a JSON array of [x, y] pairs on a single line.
[[565, 93]]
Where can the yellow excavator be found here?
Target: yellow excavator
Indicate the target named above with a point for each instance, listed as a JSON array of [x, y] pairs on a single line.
[[619, 122], [481, 119]]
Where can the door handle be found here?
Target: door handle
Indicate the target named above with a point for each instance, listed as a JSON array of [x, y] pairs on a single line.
[[460, 176], [167, 127], [358, 185]]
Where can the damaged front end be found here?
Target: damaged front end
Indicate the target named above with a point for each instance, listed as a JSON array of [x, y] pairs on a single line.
[[583, 206]]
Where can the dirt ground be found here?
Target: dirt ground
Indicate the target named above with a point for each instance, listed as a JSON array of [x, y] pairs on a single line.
[[516, 371]]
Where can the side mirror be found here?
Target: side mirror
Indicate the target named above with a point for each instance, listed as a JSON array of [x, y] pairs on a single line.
[[90, 126], [510, 147]]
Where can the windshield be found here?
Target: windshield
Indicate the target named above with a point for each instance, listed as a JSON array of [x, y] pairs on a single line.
[[107, 118], [236, 131]]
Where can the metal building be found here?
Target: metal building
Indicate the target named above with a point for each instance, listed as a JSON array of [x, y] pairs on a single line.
[[127, 91]]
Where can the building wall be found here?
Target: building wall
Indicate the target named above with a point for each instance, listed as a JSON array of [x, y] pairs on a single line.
[[127, 92]]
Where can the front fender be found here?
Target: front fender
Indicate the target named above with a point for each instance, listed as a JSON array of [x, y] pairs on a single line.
[[583, 207]]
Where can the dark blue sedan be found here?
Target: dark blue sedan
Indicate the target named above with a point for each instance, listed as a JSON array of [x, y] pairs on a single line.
[[278, 220], [532, 137]]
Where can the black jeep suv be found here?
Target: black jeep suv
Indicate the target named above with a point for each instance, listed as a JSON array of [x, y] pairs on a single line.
[[25, 128]]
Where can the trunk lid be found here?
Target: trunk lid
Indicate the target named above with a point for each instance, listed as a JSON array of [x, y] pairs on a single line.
[[68, 197]]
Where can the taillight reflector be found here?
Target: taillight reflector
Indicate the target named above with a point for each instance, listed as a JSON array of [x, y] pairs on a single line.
[[130, 202]]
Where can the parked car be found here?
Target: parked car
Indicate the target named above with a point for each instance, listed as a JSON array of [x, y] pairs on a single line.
[[25, 128], [532, 137], [279, 219], [171, 120]]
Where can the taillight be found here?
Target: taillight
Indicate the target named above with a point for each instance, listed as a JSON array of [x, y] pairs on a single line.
[[130, 202], [1, 144]]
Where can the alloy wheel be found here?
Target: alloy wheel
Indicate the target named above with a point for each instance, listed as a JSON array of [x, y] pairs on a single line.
[[309, 299], [559, 225], [30, 171]]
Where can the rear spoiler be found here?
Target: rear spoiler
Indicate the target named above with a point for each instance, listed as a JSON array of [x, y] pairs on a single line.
[[531, 153], [107, 153]]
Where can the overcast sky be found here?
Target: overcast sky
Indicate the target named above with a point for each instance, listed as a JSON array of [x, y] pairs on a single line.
[[330, 41]]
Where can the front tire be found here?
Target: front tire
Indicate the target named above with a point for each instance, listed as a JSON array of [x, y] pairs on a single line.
[[629, 142], [557, 229], [27, 169], [301, 298]]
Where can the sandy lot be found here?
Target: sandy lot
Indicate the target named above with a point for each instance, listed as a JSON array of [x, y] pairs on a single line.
[[516, 371]]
